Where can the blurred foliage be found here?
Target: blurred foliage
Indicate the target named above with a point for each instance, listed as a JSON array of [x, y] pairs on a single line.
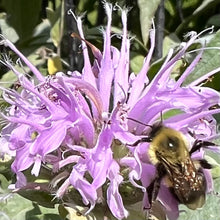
[[41, 29]]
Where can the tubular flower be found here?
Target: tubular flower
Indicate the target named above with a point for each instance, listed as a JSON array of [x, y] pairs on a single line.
[[74, 122]]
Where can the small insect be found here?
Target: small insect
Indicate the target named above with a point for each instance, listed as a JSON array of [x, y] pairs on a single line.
[[168, 151]]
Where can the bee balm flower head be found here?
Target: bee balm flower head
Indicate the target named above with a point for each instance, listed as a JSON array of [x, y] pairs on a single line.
[[73, 122]]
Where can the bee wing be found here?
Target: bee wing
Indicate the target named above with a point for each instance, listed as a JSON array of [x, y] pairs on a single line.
[[189, 185]]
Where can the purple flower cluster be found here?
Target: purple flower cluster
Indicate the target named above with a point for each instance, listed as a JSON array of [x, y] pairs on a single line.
[[73, 120]]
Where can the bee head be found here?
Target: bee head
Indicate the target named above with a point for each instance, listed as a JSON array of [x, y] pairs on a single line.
[[167, 144]]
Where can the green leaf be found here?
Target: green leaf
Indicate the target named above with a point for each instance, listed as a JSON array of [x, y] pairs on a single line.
[[40, 193], [170, 41], [23, 16], [8, 79], [55, 33], [136, 62], [214, 20], [196, 16], [5, 165], [92, 16], [17, 207], [171, 113], [191, 3], [170, 7], [7, 31], [3, 182], [215, 166], [205, 4], [41, 34], [210, 61], [55, 20], [147, 10], [62, 211]]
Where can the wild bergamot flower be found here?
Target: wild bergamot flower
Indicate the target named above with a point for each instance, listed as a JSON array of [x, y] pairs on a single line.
[[78, 122]]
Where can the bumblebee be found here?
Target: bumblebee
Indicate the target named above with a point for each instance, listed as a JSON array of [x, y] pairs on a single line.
[[168, 152]]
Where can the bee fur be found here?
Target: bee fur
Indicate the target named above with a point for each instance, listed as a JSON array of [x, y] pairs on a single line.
[[169, 153]]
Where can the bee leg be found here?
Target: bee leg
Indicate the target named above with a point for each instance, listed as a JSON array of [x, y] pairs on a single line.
[[199, 144], [153, 190], [205, 164], [154, 187], [144, 139]]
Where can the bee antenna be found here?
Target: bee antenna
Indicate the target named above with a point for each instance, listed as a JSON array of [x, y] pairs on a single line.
[[161, 117], [132, 119]]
